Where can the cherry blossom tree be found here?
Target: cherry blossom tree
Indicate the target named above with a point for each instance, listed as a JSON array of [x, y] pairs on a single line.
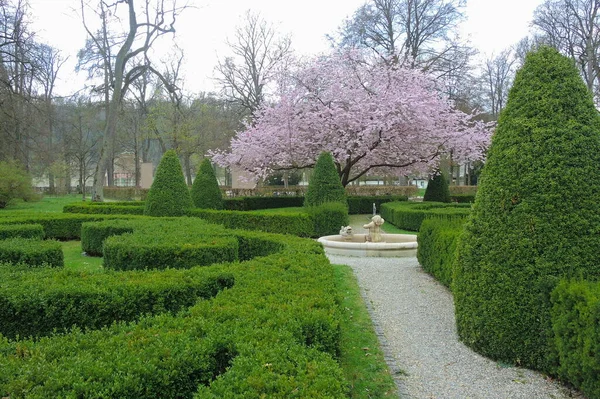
[[371, 118]]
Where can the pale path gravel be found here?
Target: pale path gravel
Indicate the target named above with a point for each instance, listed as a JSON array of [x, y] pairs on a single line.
[[415, 314]]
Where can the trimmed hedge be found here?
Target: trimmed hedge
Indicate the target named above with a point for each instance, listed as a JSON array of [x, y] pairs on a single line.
[[358, 205], [462, 198], [327, 218], [59, 226], [437, 189], [37, 304], [257, 203], [527, 230], [21, 230], [410, 215], [205, 189], [436, 249], [298, 224], [324, 184], [169, 194], [575, 320], [274, 334], [31, 251]]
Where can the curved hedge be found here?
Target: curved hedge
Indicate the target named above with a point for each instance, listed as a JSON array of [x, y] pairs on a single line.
[[31, 251], [274, 333], [527, 229]]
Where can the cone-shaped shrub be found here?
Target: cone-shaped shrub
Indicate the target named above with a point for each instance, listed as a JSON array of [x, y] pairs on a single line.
[[205, 190], [169, 195], [437, 189], [535, 217], [324, 184]]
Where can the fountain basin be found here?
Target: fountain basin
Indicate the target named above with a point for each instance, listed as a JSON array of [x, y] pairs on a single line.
[[393, 245]]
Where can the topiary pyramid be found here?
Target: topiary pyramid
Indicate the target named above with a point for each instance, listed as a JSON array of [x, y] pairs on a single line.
[[324, 185], [437, 189], [205, 189], [535, 218], [169, 194]]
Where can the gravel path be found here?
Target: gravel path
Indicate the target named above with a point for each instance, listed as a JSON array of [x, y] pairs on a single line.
[[415, 315]]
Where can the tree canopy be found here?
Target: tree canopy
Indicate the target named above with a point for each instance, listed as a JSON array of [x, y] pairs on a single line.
[[383, 117]]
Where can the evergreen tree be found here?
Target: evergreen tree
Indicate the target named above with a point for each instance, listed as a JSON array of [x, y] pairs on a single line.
[[205, 190], [437, 189], [324, 184], [169, 194], [535, 218]]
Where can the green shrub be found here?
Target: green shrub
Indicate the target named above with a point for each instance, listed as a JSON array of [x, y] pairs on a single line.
[[274, 334], [36, 304], [93, 234], [324, 184], [21, 230], [106, 208], [169, 194], [437, 189], [527, 229], [410, 215], [298, 224], [327, 218], [58, 226], [205, 190], [32, 252], [257, 203], [15, 183], [575, 320], [358, 205], [436, 251]]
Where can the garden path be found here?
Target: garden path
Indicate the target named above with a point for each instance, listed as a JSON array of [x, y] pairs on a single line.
[[414, 318]]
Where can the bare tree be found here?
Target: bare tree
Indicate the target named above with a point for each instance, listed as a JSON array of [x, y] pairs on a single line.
[[257, 52], [131, 61], [498, 74], [414, 32], [573, 27]]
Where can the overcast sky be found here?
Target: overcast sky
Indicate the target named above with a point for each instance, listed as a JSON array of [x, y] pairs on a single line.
[[491, 25]]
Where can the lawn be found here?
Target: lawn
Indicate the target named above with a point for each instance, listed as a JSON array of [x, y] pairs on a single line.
[[360, 356]]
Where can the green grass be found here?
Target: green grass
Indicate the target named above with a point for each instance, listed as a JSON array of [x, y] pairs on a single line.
[[76, 260], [46, 204], [361, 357], [359, 220]]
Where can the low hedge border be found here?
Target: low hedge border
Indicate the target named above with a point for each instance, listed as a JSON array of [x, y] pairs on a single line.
[[410, 215], [462, 198], [436, 249], [37, 304], [22, 231], [274, 334], [58, 226], [32, 252]]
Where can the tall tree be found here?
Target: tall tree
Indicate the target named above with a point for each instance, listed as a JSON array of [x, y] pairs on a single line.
[[131, 61], [416, 33], [497, 76], [573, 28], [257, 53], [381, 117]]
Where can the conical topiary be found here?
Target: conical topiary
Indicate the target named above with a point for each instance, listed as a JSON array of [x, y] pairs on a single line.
[[205, 190], [324, 185], [169, 194], [437, 189], [535, 218]]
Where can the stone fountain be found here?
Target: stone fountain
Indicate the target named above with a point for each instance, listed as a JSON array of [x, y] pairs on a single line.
[[373, 243]]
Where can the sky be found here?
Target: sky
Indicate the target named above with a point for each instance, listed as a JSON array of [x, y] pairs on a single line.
[[491, 26]]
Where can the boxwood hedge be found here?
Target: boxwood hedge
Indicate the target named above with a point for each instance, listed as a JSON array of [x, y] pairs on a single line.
[[31, 251], [527, 230], [410, 215], [274, 333]]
